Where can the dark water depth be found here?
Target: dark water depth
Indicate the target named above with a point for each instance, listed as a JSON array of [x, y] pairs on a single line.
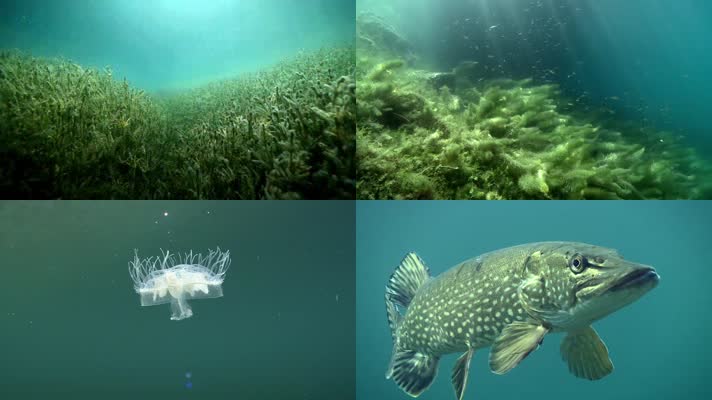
[[642, 60]]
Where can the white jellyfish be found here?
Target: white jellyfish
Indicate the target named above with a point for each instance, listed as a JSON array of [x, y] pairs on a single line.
[[178, 278]]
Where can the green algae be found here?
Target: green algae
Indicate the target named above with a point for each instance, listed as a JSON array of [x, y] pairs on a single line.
[[453, 136], [284, 133]]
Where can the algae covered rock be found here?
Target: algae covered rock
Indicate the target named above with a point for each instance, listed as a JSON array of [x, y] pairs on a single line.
[[381, 100], [534, 184], [415, 186], [382, 70], [512, 139], [463, 76], [374, 34], [496, 126], [470, 134], [442, 79]]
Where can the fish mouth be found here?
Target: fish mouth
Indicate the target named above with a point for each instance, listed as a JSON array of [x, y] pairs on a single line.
[[636, 278]]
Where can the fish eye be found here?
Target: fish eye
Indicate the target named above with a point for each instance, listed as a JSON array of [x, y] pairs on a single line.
[[577, 264]]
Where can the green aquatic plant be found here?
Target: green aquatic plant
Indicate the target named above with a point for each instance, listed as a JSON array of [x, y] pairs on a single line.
[[381, 100], [67, 131], [71, 132], [505, 139], [382, 70]]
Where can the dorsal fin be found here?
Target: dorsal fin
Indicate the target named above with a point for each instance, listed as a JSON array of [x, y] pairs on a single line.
[[410, 275]]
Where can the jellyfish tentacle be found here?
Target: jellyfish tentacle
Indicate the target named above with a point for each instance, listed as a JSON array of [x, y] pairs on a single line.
[[138, 270], [218, 262]]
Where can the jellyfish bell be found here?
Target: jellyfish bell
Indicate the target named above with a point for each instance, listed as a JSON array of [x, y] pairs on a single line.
[[177, 278]]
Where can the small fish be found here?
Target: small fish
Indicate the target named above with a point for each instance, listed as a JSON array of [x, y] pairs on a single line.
[[508, 299], [492, 27]]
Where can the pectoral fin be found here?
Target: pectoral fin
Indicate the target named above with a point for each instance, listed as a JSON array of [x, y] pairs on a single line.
[[516, 341], [586, 354], [460, 372]]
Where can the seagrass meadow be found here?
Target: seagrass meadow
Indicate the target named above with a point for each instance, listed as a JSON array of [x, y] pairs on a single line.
[[499, 120], [285, 132]]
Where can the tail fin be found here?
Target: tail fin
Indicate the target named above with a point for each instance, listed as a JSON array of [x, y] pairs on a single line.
[[410, 275], [413, 371]]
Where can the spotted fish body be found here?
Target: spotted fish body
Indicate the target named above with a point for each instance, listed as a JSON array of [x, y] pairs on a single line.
[[508, 299], [467, 305]]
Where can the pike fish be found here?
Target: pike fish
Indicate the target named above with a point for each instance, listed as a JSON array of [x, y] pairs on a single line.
[[508, 299]]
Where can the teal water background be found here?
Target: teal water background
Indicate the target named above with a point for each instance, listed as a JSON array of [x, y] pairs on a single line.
[[71, 325], [659, 344], [168, 44]]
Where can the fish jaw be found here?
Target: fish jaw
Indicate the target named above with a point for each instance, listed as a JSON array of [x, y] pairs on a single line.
[[613, 290], [641, 278]]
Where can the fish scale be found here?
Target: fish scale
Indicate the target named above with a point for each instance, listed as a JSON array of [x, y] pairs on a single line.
[[453, 316]]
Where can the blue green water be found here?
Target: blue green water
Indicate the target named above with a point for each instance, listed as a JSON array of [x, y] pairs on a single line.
[[72, 327], [645, 61], [658, 344], [163, 44]]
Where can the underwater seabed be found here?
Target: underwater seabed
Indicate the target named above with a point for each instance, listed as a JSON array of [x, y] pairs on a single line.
[[285, 133], [456, 135]]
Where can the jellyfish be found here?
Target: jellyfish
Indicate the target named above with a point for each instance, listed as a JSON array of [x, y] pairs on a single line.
[[176, 278]]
